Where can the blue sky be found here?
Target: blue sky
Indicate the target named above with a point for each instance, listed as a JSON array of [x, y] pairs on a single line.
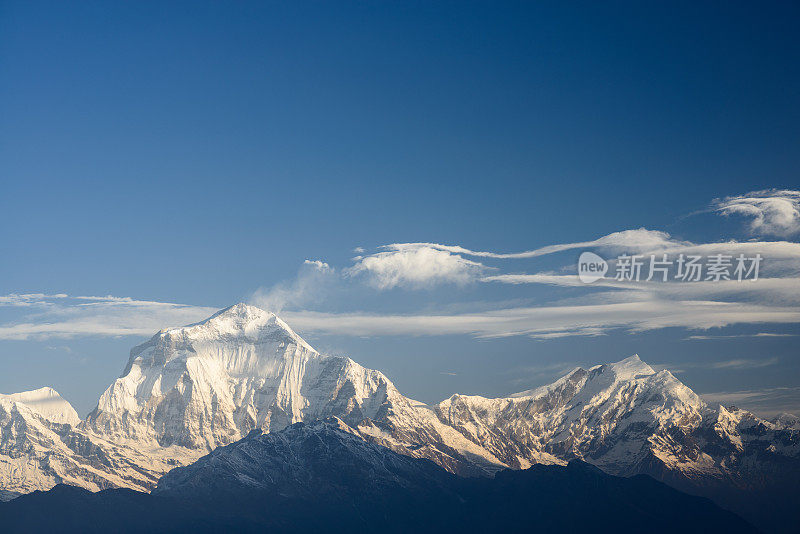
[[199, 153]]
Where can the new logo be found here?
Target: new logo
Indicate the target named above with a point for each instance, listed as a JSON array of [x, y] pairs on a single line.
[[591, 267]]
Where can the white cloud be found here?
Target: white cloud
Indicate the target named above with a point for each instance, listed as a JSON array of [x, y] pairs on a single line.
[[584, 331], [419, 265], [318, 265], [62, 316], [415, 267], [765, 290], [635, 240], [778, 282], [773, 211], [765, 335], [313, 282], [571, 319], [610, 304], [541, 278], [28, 299]]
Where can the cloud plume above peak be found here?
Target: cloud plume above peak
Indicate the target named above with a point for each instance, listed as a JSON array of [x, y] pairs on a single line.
[[313, 282]]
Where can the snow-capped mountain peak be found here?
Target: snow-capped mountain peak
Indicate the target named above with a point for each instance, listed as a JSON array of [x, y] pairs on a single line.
[[212, 382], [47, 403], [787, 421], [240, 321], [629, 368]]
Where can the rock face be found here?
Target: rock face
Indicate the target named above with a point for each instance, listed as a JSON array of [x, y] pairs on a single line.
[[189, 390], [305, 460]]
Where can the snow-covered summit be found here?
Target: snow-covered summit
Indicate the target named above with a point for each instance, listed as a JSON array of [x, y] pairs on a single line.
[[240, 320], [237, 325], [626, 369], [47, 403], [629, 368], [211, 383]]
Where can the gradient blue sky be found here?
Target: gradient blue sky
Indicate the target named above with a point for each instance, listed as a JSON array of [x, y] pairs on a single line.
[[197, 153]]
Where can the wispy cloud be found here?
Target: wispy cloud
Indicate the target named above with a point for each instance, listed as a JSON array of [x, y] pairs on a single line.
[[607, 305], [63, 316], [313, 282], [767, 402], [765, 335], [743, 363], [639, 239], [579, 319], [736, 364], [772, 211], [419, 265], [765, 290], [610, 304], [29, 299]]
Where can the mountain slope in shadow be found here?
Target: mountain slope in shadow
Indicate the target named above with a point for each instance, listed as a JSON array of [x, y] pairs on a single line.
[[322, 476]]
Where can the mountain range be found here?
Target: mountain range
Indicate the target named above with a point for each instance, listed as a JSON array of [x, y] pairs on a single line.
[[322, 476], [188, 391]]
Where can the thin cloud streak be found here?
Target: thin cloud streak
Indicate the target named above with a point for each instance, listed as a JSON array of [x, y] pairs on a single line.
[[64, 316], [766, 290], [767, 402], [639, 239], [764, 335], [592, 319]]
